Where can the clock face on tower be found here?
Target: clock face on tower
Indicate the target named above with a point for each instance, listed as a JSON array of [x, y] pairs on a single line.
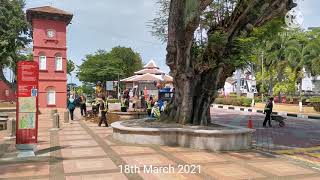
[[51, 33]]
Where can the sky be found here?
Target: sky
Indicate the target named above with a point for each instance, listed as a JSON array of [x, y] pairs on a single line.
[[99, 24]]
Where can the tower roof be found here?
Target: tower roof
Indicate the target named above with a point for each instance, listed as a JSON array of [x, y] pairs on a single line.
[[151, 65], [150, 71], [48, 12], [148, 78]]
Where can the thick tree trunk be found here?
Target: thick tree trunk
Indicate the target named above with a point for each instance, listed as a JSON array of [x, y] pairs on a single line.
[[192, 99], [197, 79]]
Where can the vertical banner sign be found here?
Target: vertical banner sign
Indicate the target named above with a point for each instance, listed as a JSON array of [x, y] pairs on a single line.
[[27, 103]]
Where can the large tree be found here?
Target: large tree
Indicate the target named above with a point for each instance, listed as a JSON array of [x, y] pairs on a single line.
[[101, 66], [70, 66], [200, 71], [13, 34], [107, 66], [303, 54], [130, 60]]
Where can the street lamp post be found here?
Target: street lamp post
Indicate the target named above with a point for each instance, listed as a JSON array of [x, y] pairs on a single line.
[[118, 86], [262, 73]]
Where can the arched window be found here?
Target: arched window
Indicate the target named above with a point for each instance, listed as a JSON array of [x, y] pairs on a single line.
[[51, 96], [42, 61], [58, 62]]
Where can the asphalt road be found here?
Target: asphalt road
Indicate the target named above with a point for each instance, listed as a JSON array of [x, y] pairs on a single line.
[[298, 133]]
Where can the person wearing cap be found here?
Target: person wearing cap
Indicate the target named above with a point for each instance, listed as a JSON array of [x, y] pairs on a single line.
[[268, 111]]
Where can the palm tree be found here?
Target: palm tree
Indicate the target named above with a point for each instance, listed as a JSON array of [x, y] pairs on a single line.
[[303, 54]]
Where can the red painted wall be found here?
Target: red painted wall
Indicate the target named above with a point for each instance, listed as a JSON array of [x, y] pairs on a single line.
[[3, 88], [50, 47]]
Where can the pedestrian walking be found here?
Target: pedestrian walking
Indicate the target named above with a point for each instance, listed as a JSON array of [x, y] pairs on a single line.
[[83, 106], [151, 101], [71, 105], [104, 106], [123, 105], [268, 111], [135, 103], [149, 107], [143, 103]]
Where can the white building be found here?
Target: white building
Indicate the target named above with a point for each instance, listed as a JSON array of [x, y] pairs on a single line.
[[247, 83], [311, 84]]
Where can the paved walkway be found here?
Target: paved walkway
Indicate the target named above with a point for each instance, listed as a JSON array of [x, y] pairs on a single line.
[[84, 151]]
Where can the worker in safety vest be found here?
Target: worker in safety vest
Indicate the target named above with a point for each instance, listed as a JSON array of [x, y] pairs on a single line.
[[155, 111], [149, 108], [123, 105], [268, 111], [104, 110], [95, 106]]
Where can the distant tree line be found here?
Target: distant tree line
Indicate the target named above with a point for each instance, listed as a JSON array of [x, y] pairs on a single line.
[[108, 66]]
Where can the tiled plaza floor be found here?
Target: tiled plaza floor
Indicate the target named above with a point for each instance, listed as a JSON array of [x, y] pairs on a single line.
[[83, 151]]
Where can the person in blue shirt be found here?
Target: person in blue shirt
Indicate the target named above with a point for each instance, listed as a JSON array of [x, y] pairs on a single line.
[[71, 105], [160, 103]]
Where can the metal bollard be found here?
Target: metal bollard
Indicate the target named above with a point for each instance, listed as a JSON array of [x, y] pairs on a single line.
[[66, 117], [56, 121], [11, 129], [53, 111]]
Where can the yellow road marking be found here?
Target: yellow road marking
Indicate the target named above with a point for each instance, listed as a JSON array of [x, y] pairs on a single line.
[[297, 150]]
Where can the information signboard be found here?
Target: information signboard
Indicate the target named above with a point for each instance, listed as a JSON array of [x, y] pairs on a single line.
[[110, 86], [27, 103]]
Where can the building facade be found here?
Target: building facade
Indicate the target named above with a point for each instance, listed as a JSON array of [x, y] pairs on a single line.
[[6, 93], [49, 28]]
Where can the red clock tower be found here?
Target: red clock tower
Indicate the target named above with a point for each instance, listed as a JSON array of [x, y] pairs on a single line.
[[49, 26]]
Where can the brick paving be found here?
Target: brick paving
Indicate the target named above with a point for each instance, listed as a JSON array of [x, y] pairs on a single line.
[[82, 150]]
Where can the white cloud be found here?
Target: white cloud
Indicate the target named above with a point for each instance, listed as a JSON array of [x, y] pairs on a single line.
[[101, 24]]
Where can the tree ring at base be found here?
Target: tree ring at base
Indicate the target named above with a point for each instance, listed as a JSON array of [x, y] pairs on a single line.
[[230, 138]]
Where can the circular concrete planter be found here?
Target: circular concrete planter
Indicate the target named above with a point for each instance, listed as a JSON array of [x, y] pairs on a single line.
[[115, 116], [229, 139]]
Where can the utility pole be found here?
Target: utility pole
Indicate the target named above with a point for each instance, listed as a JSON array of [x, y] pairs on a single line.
[[118, 86], [253, 79], [238, 74], [262, 73]]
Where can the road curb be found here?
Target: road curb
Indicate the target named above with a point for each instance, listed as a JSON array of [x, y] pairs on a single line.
[[261, 112]]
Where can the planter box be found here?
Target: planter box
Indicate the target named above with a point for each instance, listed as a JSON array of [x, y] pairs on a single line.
[[115, 116], [229, 139]]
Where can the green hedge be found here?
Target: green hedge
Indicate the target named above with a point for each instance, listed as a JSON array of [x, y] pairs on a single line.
[[235, 101], [315, 102]]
